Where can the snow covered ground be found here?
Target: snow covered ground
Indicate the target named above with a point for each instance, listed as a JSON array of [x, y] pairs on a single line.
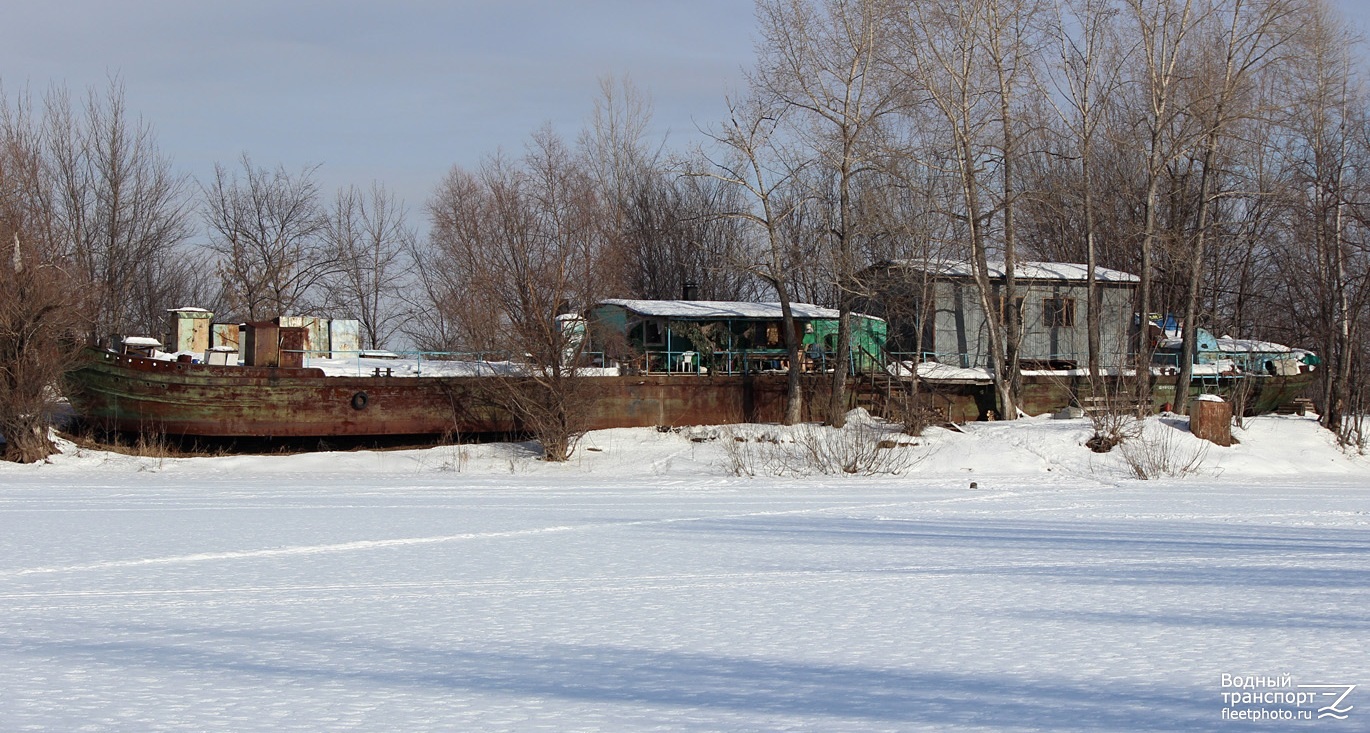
[[643, 586]]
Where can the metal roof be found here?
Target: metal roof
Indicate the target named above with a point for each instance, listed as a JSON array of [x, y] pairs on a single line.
[[718, 309], [1023, 270]]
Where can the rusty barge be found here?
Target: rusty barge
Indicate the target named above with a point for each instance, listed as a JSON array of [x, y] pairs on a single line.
[[127, 393], [283, 379], [114, 392]]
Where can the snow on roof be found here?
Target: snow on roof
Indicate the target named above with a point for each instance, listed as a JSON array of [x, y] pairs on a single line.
[[186, 310], [1024, 270], [141, 341], [1238, 346], [717, 309], [1250, 345]]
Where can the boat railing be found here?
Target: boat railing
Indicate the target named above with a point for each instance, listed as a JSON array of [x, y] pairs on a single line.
[[374, 362], [413, 362], [861, 360], [1065, 362]]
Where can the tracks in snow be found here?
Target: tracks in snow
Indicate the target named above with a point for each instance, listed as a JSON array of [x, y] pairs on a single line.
[[369, 545]]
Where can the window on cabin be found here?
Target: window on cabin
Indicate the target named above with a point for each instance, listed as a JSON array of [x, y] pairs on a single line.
[[773, 335], [1058, 312], [653, 334]]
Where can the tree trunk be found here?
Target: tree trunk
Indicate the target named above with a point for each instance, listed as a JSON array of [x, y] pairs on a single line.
[[26, 439], [837, 396], [979, 261], [1091, 279], [1189, 340], [1142, 362], [794, 397]]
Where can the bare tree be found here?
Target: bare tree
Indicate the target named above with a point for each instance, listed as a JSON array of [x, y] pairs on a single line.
[[1010, 35], [371, 244], [267, 228], [519, 244], [1163, 30], [822, 59], [1248, 41], [748, 138], [39, 300], [118, 209], [437, 298], [622, 168], [675, 233], [917, 237], [942, 59], [1323, 150], [614, 143], [1089, 70]]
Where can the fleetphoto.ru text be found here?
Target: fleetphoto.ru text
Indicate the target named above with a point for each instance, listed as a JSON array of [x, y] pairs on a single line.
[[1281, 697]]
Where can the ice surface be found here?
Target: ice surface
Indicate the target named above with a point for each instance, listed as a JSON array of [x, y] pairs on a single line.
[[643, 587]]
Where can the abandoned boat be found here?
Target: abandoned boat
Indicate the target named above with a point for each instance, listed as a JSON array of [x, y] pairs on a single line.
[[128, 393], [708, 363]]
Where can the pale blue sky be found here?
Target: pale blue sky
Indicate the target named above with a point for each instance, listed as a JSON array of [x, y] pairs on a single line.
[[395, 91]]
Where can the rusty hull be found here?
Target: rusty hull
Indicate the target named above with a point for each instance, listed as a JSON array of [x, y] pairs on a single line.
[[126, 393], [965, 402], [134, 394]]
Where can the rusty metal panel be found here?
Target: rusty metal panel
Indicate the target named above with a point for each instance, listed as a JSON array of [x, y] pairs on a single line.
[[227, 335], [294, 342], [345, 336], [316, 333], [317, 341], [190, 330], [1211, 420], [261, 344]]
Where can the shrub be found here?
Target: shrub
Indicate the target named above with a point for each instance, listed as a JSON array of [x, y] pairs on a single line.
[[861, 447], [1162, 453]]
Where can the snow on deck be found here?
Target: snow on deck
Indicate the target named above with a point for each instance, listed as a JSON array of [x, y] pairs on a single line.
[[643, 586], [938, 372], [401, 366], [345, 366]]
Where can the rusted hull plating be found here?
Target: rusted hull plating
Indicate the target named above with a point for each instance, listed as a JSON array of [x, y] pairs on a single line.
[[134, 394], [1048, 394]]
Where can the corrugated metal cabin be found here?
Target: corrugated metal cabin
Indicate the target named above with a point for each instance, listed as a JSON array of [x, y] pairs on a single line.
[[725, 336], [934, 312]]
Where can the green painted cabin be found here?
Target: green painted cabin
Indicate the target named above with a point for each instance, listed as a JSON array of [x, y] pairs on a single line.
[[726, 337]]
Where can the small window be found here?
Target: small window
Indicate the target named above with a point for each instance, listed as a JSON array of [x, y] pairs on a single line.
[[653, 334], [1058, 312]]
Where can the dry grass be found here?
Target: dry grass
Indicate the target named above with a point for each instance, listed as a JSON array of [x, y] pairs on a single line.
[[1163, 452], [860, 448]]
